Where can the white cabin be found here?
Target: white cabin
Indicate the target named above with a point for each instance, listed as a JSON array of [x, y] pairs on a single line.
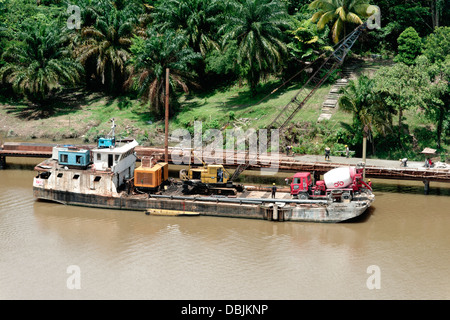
[[120, 160]]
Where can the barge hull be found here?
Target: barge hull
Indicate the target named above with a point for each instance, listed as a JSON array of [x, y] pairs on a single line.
[[332, 213]]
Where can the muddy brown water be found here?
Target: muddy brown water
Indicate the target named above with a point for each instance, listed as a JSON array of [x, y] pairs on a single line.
[[404, 237]]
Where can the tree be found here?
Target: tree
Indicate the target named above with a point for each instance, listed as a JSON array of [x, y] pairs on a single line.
[[342, 12], [195, 19], [257, 27], [437, 7], [402, 87], [409, 46], [436, 94], [369, 116], [198, 21], [40, 64], [437, 45], [308, 42], [105, 47], [437, 50], [151, 57]]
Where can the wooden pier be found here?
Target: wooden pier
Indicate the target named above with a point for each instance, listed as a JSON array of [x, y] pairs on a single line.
[[374, 168]]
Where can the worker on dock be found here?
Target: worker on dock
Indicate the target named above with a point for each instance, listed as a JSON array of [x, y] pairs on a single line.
[[327, 153], [274, 190], [403, 162], [347, 151], [288, 150]]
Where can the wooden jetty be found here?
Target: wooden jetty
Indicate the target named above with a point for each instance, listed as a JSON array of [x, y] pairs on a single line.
[[380, 169]]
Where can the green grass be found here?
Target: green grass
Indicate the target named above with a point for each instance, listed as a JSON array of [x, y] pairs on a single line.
[[236, 106]]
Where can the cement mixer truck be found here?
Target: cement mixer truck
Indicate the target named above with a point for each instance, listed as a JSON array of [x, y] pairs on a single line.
[[339, 184]]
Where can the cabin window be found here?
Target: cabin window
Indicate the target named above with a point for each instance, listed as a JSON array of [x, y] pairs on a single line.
[[117, 157], [64, 158], [60, 175], [296, 180], [45, 175], [197, 175], [78, 159], [76, 176], [99, 156], [97, 179]]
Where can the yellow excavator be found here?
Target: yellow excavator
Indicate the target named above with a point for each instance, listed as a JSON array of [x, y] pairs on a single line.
[[208, 179]]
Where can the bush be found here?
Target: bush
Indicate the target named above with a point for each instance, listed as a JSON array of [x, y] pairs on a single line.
[[409, 46]]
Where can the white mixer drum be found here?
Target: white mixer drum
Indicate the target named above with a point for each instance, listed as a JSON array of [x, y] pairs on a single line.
[[339, 177]]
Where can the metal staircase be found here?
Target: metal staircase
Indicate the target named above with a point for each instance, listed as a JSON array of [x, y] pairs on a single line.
[[330, 64]]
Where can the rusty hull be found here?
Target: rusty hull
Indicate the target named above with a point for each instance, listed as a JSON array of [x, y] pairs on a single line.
[[331, 212]]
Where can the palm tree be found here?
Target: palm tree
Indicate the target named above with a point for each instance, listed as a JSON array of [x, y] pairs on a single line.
[[105, 48], [369, 113], [257, 26], [341, 12], [196, 19], [41, 64], [151, 57]]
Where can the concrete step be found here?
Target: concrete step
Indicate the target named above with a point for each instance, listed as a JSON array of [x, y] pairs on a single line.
[[324, 116]]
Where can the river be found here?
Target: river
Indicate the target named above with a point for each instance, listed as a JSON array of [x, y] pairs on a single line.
[[399, 249]]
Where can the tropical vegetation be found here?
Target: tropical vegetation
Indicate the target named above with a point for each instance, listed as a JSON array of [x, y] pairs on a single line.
[[122, 49]]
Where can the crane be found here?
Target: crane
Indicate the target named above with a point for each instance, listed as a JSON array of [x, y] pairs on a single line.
[[334, 60]]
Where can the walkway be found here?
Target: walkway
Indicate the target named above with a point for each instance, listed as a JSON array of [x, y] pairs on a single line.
[[376, 168]]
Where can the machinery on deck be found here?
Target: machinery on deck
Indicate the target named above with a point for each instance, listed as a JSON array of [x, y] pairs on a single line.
[[339, 184], [208, 179], [151, 176]]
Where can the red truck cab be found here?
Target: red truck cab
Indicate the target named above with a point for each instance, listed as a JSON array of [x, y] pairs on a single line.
[[301, 182]]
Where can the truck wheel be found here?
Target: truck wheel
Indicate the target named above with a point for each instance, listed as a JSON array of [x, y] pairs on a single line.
[[303, 196]]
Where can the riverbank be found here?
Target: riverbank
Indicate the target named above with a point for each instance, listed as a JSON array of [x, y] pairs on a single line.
[[85, 116], [76, 114]]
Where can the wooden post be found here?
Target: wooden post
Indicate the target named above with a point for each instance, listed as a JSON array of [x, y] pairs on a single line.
[[426, 188], [364, 155], [166, 143], [366, 129]]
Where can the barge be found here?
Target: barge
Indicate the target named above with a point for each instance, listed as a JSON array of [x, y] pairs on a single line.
[[106, 177]]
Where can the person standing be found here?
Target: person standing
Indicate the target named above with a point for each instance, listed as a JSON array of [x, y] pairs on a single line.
[[347, 151], [327, 153], [274, 190]]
